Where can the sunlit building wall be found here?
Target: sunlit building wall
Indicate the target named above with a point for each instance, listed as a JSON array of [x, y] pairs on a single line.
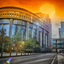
[[30, 25]]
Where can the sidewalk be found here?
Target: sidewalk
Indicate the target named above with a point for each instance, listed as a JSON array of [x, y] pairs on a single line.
[[62, 54], [18, 54], [60, 59]]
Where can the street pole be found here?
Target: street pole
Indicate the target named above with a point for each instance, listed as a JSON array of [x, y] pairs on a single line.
[[2, 43], [56, 46]]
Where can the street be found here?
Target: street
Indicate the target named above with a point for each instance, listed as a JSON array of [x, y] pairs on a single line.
[[42, 58]]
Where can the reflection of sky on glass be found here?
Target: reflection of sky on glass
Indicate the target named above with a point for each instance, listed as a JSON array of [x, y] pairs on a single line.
[[13, 29], [51, 42], [0, 27], [62, 26], [7, 29], [5, 21], [36, 23], [34, 27], [18, 28], [30, 31], [33, 31]]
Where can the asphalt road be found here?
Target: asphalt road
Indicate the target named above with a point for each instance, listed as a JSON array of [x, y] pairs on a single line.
[[32, 59]]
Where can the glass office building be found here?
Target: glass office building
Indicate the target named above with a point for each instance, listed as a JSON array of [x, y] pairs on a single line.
[[59, 44], [17, 20]]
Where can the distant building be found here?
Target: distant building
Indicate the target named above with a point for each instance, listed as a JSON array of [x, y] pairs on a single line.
[[59, 41], [61, 30], [60, 44]]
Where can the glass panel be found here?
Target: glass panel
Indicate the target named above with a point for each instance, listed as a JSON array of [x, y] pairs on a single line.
[[4, 33], [58, 41], [6, 28], [13, 30], [4, 21], [19, 29], [30, 30], [30, 33], [23, 32], [34, 31], [19, 22], [54, 41], [34, 34]]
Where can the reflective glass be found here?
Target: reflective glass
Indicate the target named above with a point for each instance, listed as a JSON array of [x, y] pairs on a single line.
[[6, 29], [19, 28], [30, 30], [13, 30], [30, 33], [34, 31], [23, 32], [4, 21], [19, 22]]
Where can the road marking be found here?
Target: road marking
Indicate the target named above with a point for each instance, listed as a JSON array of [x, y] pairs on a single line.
[[53, 60], [36, 61]]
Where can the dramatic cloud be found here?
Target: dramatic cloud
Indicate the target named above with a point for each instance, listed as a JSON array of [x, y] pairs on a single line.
[[54, 8]]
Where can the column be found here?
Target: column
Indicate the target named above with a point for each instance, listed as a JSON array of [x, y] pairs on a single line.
[[49, 39], [10, 30], [37, 35], [46, 40], [32, 32], [27, 31], [41, 40]]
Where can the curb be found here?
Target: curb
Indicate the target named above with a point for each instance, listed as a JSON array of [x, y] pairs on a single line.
[[53, 59], [18, 55]]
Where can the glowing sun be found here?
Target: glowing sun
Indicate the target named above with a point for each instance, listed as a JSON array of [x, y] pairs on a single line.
[[47, 9]]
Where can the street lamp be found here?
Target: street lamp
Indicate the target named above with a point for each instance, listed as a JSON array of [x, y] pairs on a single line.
[[56, 46]]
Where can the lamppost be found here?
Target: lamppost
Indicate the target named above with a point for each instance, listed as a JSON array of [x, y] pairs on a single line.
[[56, 46]]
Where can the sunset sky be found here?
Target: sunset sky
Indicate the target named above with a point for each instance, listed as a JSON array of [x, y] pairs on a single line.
[[55, 9]]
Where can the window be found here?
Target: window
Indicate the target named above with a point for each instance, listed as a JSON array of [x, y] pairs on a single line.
[[58, 41], [19, 26], [30, 30], [6, 26]]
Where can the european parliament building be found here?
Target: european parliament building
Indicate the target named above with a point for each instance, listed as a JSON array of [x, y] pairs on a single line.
[[30, 25]]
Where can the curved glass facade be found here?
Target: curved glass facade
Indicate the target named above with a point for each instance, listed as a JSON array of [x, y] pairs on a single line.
[[19, 26], [23, 25]]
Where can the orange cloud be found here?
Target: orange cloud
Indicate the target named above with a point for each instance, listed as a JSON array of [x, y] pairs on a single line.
[[35, 5]]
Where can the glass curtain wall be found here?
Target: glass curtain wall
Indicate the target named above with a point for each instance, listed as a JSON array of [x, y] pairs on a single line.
[[34, 31], [40, 31], [42, 38], [19, 26], [4, 33], [30, 30], [46, 38]]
